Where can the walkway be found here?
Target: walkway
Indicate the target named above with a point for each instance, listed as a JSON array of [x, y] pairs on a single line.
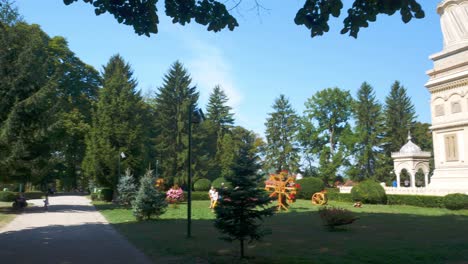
[[70, 232]]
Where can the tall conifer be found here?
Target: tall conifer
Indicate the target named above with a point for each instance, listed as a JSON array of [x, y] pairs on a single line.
[[117, 126], [282, 151]]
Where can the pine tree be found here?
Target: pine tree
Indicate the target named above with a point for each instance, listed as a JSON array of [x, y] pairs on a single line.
[[148, 201], [172, 106], [282, 151], [240, 212], [368, 116], [218, 111], [399, 115], [325, 131], [126, 188], [117, 126]]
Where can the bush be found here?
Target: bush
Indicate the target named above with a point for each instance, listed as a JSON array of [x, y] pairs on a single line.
[[7, 196], [416, 200], [105, 194], [309, 186], [94, 196], [369, 191], [198, 196], [333, 216], [202, 185], [149, 201], [339, 197], [34, 195], [456, 201], [126, 189], [217, 182]]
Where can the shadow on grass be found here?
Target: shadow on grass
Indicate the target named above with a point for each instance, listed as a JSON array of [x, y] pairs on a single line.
[[297, 237]]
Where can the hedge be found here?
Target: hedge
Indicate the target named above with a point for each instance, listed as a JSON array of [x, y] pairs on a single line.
[[340, 197], [456, 201], [198, 196], [6, 196], [202, 185], [217, 182], [34, 195], [416, 200], [309, 186]]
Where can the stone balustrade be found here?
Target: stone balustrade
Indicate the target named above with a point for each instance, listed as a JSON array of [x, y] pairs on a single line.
[[413, 190]]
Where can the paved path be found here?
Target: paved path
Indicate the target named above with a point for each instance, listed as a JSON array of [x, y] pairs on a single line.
[[70, 232]]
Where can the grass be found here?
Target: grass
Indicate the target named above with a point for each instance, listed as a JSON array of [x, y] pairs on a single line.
[[6, 213], [383, 234]]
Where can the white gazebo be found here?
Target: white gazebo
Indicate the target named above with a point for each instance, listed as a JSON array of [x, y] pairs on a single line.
[[411, 158]]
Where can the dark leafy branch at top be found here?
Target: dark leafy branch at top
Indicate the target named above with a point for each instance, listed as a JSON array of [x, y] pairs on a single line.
[[315, 14]]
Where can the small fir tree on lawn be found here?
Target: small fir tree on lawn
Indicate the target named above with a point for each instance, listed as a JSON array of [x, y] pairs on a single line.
[[241, 210], [149, 201], [126, 188]]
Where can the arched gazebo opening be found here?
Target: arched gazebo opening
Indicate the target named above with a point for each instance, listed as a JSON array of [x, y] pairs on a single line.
[[411, 165]]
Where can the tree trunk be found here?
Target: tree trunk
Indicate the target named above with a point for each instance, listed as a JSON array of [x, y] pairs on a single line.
[[242, 248]]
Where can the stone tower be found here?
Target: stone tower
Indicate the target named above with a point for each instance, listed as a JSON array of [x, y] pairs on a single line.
[[448, 85]]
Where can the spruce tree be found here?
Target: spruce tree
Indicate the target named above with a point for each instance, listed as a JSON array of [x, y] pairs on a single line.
[[242, 209], [368, 118], [117, 126], [126, 189], [218, 111], [399, 115], [171, 107], [149, 201], [282, 152]]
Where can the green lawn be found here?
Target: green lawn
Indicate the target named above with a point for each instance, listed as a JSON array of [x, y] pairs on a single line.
[[383, 234], [6, 214]]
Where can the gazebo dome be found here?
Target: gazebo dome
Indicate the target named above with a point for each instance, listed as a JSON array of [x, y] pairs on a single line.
[[410, 147]]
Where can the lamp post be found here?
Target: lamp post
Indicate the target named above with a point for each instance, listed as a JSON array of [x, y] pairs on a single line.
[[199, 117], [121, 156]]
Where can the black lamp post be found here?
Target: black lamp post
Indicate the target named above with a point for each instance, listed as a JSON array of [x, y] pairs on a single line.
[[198, 117]]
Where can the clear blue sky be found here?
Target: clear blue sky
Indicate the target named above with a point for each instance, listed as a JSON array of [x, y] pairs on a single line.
[[266, 56]]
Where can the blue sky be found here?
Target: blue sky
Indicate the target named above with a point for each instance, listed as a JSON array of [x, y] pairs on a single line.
[[266, 56]]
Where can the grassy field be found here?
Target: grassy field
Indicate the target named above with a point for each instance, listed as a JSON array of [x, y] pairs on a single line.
[[383, 234], [6, 214]]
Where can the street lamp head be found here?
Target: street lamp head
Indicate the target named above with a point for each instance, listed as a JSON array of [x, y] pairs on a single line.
[[122, 155]]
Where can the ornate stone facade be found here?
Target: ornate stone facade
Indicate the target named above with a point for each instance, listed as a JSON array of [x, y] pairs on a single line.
[[448, 85]]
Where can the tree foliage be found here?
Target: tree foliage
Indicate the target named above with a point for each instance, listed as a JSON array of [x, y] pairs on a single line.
[[368, 116], [326, 132], [241, 210], [172, 107], [126, 188], [148, 201], [314, 15], [282, 152], [117, 126]]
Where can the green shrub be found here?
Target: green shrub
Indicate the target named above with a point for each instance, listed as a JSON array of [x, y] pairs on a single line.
[[105, 194], [34, 195], [333, 216], [416, 200], [94, 196], [456, 201], [369, 191], [198, 196], [217, 182], [202, 185], [7, 196], [149, 201], [340, 197], [309, 186]]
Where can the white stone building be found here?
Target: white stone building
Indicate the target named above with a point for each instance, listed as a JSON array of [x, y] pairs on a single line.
[[448, 85]]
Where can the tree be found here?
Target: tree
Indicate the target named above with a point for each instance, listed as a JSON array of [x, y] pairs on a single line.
[[219, 121], [315, 14], [399, 116], [326, 132], [29, 92], [240, 212], [282, 151], [117, 126], [126, 188], [171, 107], [148, 201], [368, 116], [9, 14]]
